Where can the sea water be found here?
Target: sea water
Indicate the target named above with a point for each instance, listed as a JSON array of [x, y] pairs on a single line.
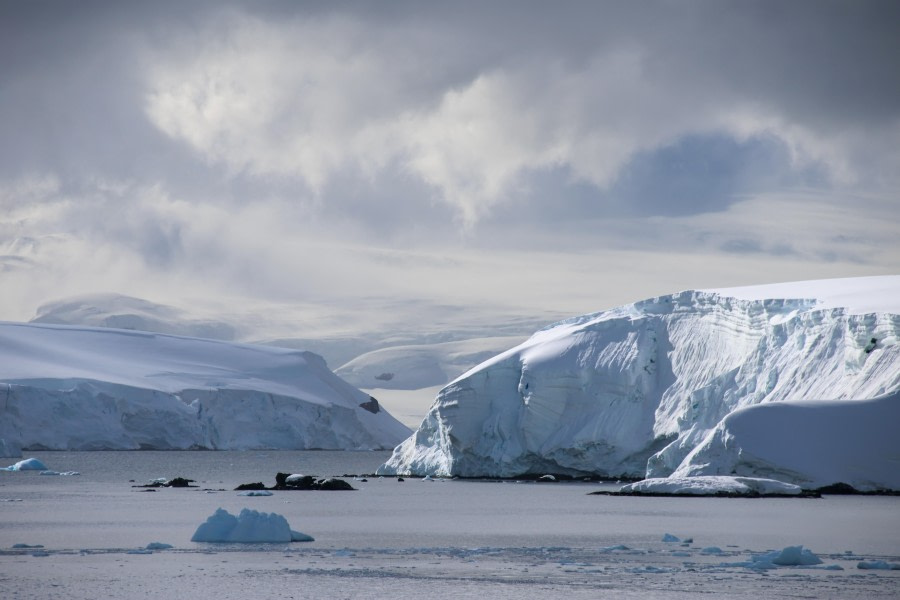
[[531, 539]]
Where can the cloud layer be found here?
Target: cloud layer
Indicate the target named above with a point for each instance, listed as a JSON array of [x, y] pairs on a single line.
[[292, 152]]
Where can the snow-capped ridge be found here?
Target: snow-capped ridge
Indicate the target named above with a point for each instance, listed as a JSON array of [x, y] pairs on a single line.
[[125, 312]]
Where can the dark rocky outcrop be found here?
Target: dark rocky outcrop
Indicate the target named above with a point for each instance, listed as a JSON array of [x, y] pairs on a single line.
[[177, 482], [180, 482], [332, 483], [371, 406], [259, 485], [845, 489], [304, 482]]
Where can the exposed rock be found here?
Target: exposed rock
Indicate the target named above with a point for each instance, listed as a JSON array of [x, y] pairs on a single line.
[[284, 481], [371, 405], [250, 486], [333, 484], [180, 482]]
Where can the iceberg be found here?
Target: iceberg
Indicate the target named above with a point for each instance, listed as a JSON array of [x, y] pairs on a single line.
[[85, 388], [250, 526], [791, 556], [29, 464], [634, 390]]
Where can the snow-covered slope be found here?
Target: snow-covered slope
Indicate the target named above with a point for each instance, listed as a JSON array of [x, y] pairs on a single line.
[[812, 443], [82, 388], [124, 312], [412, 367], [633, 390]]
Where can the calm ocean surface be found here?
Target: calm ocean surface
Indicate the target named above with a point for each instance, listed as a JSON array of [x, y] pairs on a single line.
[[213, 467], [387, 538]]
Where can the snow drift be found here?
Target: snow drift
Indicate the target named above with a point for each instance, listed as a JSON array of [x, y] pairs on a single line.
[[634, 390], [82, 388]]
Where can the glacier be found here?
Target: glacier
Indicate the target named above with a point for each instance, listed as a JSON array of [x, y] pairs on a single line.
[[642, 390], [85, 388]]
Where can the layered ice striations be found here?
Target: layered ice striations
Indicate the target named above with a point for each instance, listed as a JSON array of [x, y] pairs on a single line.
[[82, 388], [634, 390]]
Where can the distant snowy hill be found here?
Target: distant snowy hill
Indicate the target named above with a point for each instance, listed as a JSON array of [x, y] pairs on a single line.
[[417, 366], [124, 312], [636, 389], [64, 387]]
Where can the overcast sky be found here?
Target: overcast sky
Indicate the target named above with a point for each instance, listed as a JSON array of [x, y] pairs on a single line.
[[521, 157]]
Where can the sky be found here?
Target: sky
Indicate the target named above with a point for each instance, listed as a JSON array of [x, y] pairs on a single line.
[[379, 162]]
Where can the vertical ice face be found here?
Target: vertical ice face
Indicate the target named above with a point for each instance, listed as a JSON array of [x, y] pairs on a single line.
[[633, 390]]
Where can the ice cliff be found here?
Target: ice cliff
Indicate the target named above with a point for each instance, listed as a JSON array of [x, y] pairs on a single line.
[[82, 388], [635, 390]]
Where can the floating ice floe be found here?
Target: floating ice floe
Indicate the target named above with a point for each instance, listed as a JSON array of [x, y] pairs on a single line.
[[158, 546], [255, 493], [63, 474], [249, 526], [711, 485], [878, 564], [29, 464], [669, 538], [790, 556]]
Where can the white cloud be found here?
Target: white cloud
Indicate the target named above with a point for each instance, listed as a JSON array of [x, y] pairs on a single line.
[[319, 155]]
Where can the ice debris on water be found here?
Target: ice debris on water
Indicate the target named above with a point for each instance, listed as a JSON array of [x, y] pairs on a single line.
[[670, 538], [649, 569], [256, 493]]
